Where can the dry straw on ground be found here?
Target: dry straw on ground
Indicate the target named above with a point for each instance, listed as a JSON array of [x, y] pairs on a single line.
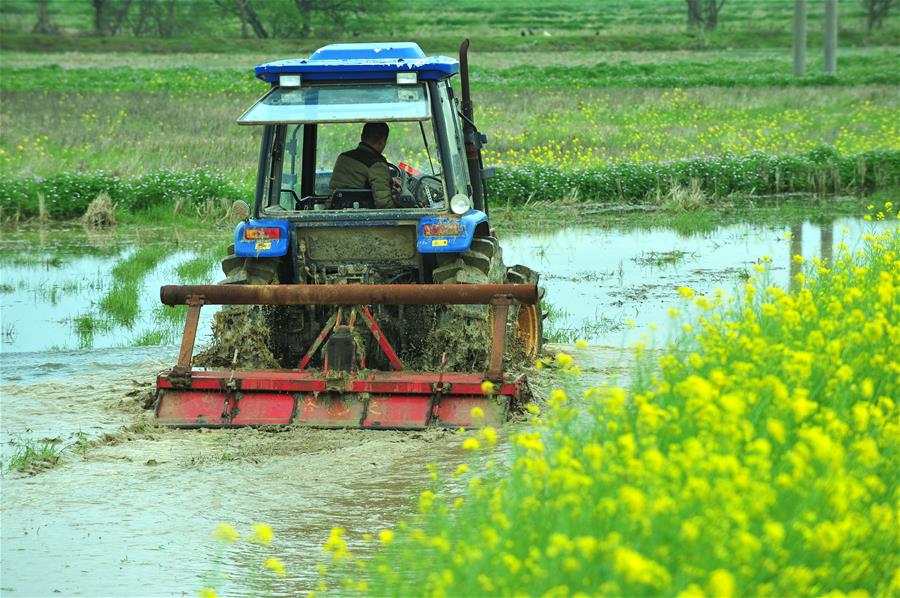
[[101, 212]]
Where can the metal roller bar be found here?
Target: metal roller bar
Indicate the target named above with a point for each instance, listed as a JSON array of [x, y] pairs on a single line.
[[348, 294]]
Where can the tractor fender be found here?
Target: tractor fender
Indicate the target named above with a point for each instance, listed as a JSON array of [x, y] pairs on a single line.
[[454, 234], [262, 238]]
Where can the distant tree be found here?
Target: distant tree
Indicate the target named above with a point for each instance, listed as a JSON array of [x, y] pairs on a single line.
[[876, 11], [44, 23], [704, 13], [109, 15], [154, 17], [337, 12], [246, 12]]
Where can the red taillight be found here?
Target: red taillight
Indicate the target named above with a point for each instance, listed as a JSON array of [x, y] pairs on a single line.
[[448, 229], [265, 233]]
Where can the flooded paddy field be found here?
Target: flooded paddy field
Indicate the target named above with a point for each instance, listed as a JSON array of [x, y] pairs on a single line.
[[129, 507]]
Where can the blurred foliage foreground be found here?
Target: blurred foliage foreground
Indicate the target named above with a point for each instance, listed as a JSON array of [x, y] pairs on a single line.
[[758, 457]]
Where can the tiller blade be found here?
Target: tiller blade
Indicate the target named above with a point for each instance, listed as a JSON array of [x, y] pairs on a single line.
[[395, 400], [348, 397]]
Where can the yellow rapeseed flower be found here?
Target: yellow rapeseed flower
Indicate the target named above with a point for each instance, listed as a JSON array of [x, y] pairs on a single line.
[[721, 584], [490, 435], [225, 533], [487, 387], [470, 444], [385, 536], [564, 360], [426, 499], [275, 565], [476, 413], [207, 593], [262, 534]]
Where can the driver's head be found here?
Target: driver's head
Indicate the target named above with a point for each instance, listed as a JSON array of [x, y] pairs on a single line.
[[376, 135]]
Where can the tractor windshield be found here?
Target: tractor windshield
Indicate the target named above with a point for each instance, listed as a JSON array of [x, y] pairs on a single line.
[[344, 103], [304, 140]]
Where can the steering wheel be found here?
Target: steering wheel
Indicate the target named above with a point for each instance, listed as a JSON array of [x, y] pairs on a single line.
[[300, 204], [428, 190]]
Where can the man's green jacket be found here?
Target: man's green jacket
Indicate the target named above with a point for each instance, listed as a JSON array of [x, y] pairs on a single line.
[[364, 168]]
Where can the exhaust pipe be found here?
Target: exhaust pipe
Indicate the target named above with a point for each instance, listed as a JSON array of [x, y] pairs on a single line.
[[471, 137]]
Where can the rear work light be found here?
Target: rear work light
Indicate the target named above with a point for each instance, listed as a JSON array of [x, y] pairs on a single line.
[[448, 229], [260, 234]]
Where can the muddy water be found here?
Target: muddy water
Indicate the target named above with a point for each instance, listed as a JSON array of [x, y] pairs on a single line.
[[129, 513], [597, 280], [132, 515]]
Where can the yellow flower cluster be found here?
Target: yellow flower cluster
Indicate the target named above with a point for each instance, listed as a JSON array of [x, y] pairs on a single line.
[[680, 123], [759, 459]]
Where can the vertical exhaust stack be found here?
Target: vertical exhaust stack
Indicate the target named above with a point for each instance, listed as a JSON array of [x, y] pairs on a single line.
[[472, 138]]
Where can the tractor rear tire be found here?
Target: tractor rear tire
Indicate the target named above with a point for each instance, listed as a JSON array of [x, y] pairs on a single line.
[[248, 270], [245, 330], [527, 320], [463, 332]]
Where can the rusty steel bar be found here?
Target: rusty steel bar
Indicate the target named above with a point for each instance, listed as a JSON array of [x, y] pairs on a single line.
[[348, 294], [190, 335], [500, 307]]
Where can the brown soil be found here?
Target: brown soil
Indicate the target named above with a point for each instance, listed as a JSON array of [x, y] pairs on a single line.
[[240, 339]]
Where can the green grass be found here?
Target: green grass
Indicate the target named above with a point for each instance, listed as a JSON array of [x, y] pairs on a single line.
[[120, 304], [152, 338], [570, 128], [86, 326], [748, 69], [557, 330], [32, 454]]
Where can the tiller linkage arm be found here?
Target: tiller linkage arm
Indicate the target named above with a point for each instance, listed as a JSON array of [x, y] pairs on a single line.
[[498, 296]]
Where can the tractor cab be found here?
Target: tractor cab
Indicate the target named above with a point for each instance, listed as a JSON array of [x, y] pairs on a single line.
[[316, 109]]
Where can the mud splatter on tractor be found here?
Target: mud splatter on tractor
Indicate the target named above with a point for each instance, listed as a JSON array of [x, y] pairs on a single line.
[[341, 313]]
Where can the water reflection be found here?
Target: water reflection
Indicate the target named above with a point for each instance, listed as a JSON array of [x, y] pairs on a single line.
[[597, 280]]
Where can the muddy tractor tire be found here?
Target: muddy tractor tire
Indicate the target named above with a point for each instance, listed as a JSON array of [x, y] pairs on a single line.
[[244, 335], [463, 332], [247, 270]]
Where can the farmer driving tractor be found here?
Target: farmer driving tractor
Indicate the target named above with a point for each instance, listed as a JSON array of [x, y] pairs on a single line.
[[365, 167]]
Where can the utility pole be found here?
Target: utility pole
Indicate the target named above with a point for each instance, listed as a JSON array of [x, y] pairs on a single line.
[[799, 38], [831, 29]]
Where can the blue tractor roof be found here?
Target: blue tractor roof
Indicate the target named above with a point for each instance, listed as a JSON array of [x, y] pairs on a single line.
[[347, 62]]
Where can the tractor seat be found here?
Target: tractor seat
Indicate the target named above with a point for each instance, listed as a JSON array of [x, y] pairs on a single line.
[[345, 198]]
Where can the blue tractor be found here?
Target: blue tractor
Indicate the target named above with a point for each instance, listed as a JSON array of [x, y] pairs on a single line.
[[300, 231]]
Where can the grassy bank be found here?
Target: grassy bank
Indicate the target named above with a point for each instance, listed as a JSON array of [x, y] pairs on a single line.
[[68, 194], [703, 181], [684, 185], [757, 457], [872, 66], [134, 134]]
